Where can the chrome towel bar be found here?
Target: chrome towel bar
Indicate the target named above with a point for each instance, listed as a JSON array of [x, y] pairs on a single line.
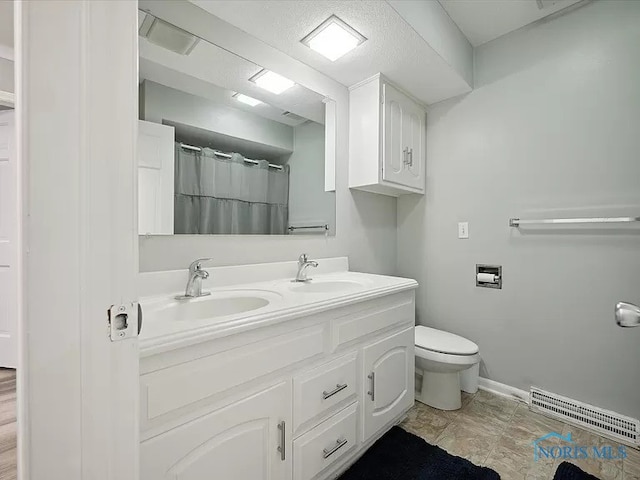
[[324, 227], [516, 222]]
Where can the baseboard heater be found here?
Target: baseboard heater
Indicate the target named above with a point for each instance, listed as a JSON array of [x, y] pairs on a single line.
[[604, 422]]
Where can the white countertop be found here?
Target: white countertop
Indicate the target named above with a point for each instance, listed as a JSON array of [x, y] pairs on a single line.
[[285, 303]]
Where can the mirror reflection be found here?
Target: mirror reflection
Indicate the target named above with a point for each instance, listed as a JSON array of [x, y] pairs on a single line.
[[225, 146]]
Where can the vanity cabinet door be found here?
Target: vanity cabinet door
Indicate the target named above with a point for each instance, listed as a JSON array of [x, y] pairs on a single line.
[[388, 380], [250, 439]]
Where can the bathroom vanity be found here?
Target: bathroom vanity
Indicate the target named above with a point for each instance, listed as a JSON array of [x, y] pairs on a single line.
[[272, 379]]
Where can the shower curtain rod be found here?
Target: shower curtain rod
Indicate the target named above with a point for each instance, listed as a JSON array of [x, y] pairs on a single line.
[[226, 155]]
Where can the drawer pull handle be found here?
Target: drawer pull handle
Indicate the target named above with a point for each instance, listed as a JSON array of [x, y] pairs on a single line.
[[281, 447], [372, 392], [338, 388], [341, 442]]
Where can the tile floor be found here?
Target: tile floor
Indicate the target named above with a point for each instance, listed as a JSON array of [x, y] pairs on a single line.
[[498, 432]]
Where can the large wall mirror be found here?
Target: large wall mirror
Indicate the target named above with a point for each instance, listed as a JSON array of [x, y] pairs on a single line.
[[226, 146]]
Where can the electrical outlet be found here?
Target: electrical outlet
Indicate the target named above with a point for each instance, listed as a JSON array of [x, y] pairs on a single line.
[[463, 229]]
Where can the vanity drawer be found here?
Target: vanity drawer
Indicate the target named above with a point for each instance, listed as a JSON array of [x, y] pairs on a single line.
[[318, 449], [177, 387], [384, 313], [319, 392]]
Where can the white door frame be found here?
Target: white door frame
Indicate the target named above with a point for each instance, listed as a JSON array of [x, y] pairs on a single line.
[[77, 101]]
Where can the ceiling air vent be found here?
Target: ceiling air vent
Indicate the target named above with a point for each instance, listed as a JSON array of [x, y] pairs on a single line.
[[167, 36], [293, 116], [542, 4]]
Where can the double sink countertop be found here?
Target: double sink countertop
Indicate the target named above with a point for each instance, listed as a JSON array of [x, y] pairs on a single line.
[[237, 307]]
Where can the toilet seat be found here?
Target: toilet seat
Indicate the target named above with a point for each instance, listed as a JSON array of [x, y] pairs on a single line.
[[438, 341], [447, 358]]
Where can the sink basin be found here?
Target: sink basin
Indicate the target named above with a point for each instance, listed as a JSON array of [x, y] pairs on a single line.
[[324, 286], [220, 304]]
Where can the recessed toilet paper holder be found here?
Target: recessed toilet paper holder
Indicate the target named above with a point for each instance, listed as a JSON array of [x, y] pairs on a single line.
[[489, 276]]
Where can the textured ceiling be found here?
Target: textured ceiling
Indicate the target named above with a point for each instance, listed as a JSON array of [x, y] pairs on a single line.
[[392, 48], [484, 20], [214, 73]]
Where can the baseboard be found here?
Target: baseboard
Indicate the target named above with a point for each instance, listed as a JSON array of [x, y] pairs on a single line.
[[503, 390]]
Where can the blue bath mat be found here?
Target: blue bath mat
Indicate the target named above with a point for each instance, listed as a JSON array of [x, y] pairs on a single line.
[[400, 455], [568, 471]]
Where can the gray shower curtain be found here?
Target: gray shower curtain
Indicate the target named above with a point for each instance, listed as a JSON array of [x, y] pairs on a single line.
[[228, 195]]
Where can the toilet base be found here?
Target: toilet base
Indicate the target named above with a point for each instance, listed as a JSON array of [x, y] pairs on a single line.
[[440, 390]]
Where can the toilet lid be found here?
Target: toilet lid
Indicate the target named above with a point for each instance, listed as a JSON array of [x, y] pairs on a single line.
[[444, 342]]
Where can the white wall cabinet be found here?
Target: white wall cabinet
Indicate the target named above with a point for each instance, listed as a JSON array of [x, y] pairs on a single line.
[[208, 427], [387, 139]]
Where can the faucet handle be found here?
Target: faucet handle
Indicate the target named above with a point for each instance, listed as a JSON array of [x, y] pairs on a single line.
[[303, 258], [197, 264]]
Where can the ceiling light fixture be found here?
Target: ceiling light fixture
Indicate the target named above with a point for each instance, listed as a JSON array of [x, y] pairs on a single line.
[[271, 81], [241, 97], [333, 38]]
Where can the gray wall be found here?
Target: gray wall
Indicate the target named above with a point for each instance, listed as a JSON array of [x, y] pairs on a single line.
[[158, 102], [309, 204], [551, 129]]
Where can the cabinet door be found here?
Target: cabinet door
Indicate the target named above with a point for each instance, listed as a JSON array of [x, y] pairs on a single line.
[[403, 140], [241, 441], [414, 136], [388, 380], [394, 149]]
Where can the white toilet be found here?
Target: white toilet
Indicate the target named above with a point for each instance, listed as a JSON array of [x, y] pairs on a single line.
[[448, 364]]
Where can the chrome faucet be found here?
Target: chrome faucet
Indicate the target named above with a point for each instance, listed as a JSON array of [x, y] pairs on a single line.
[[194, 284], [303, 264]]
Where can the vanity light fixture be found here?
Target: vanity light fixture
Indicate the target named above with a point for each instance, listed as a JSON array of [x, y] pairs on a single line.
[[333, 38], [241, 97], [271, 81]]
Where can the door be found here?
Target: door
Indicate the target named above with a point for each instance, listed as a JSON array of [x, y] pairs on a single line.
[[156, 167], [8, 242], [250, 439], [388, 380], [76, 118]]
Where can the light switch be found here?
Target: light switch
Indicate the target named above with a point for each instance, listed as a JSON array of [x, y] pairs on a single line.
[[463, 229]]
